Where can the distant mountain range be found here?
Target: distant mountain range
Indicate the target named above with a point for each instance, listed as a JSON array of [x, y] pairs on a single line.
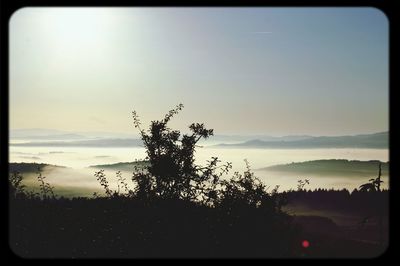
[[35, 134], [52, 134], [57, 138], [33, 167], [242, 138], [376, 141], [117, 143]]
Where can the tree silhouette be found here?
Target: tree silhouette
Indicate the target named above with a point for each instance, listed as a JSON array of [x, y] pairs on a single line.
[[45, 188], [374, 183], [101, 177], [16, 188], [172, 172], [244, 189]]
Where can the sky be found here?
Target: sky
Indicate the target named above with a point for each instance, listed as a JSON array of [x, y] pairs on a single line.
[[273, 71]]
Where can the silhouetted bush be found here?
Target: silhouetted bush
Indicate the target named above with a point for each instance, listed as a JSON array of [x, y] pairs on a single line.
[[172, 173], [16, 188]]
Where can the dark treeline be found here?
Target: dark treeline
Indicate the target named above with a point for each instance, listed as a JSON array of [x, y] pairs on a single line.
[[176, 209], [369, 199], [357, 202]]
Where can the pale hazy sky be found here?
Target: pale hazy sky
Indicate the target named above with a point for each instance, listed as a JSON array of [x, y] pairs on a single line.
[[275, 71]]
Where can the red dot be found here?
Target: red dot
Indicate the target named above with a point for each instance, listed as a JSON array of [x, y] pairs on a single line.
[[305, 244]]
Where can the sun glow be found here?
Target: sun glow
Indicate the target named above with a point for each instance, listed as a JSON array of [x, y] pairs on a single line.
[[89, 26]]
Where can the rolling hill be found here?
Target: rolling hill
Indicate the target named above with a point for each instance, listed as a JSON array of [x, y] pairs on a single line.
[[121, 166], [335, 167]]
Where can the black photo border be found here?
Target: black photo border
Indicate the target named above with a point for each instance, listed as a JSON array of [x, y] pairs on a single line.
[[8, 7]]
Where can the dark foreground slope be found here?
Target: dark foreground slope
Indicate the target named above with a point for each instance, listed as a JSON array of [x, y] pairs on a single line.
[[126, 228], [129, 228]]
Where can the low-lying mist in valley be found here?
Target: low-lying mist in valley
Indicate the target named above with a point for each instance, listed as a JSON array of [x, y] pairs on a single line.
[[78, 179], [70, 182], [74, 182]]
